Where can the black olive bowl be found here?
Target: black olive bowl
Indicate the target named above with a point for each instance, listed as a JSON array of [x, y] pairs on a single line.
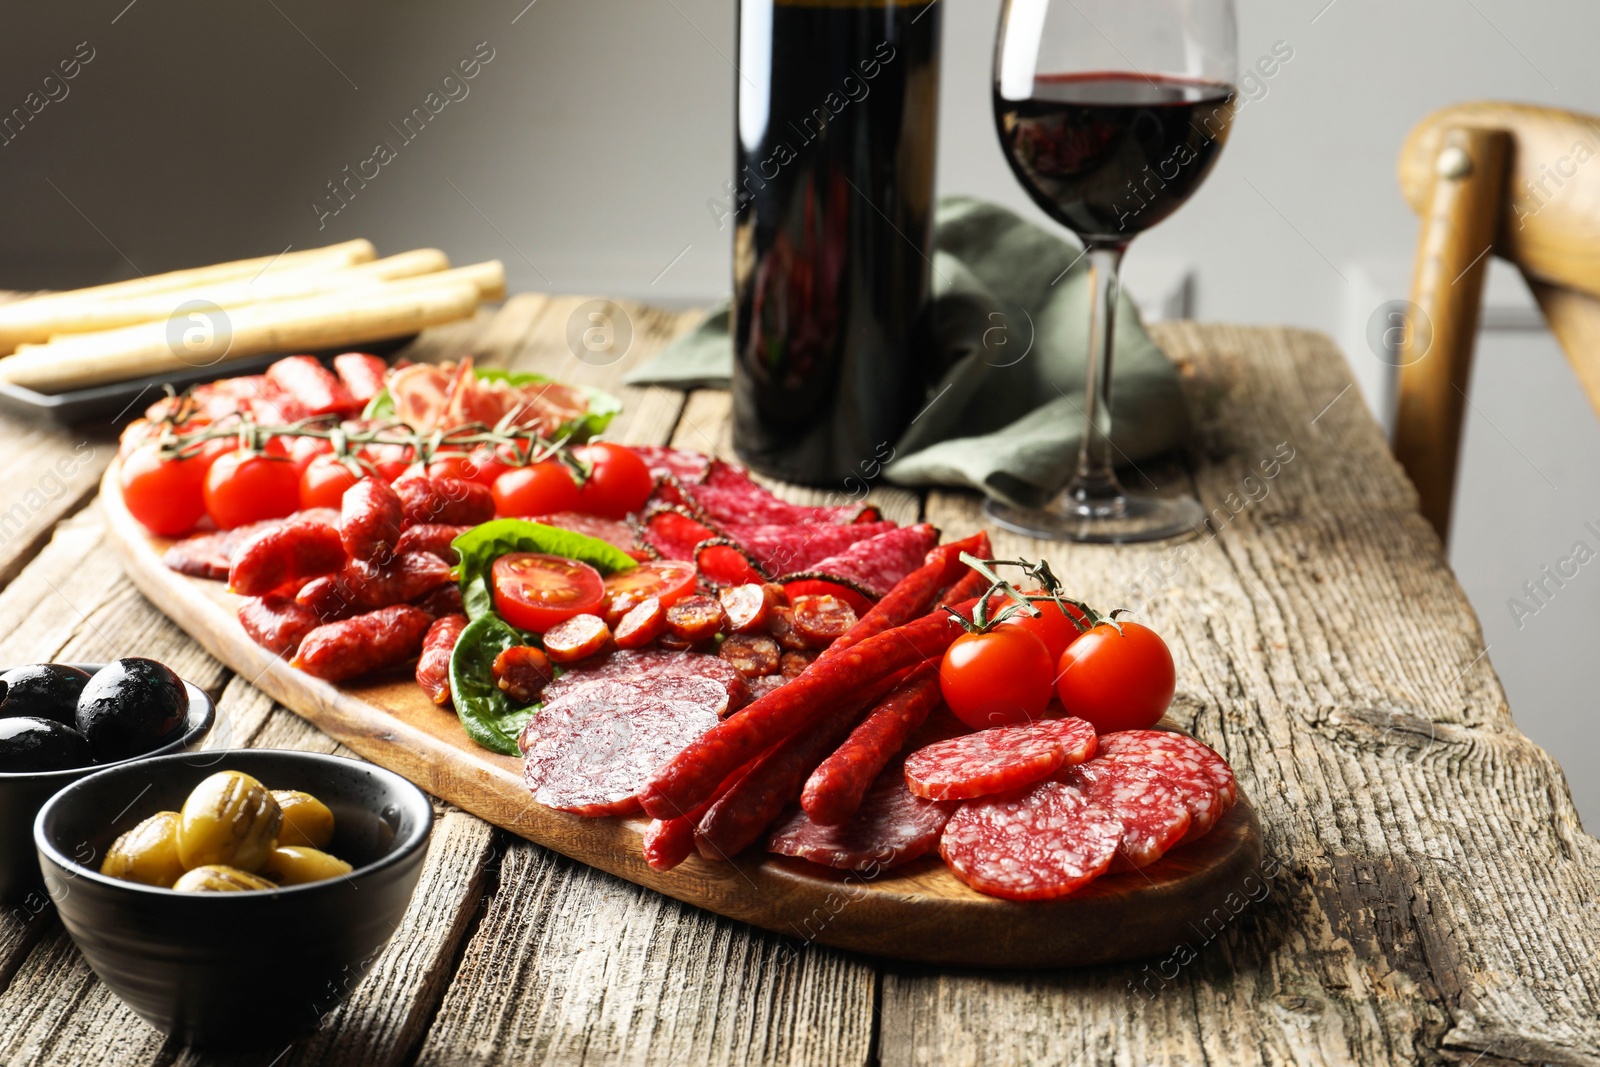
[[22, 794], [235, 969]]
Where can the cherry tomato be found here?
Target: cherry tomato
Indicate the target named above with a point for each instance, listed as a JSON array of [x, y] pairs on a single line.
[[534, 591], [542, 489], [668, 580], [998, 678], [242, 487], [489, 464], [305, 449], [453, 465], [619, 481], [323, 482], [165, 495], [389, 461], [1051, 625], [1118, 681]]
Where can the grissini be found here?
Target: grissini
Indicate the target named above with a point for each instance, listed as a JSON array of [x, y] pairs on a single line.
[[89, 316], [36, 318], [391, 309]]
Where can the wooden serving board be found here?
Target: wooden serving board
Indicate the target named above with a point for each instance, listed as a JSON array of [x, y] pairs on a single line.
[[916, 912]]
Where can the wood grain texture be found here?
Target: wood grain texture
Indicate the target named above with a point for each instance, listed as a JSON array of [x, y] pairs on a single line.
[[1458, 230]]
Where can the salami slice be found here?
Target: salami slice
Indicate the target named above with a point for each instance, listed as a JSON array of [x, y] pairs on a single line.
[[666, 674], [1152, 812], [613, 532], [785, 549], [891, 827], [1180, 762], [1163, 744], [727, 496], [1041, 843], [591, 753], [873, 565], [679, 463], [997, 760]]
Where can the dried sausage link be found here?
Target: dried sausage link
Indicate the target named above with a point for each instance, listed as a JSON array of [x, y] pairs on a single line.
[[433, 538], [433, 666], [350, 647], [522, 672], [836, 788], [278, 555], [367, 586], [277, 623], [370, 515], [450, 501]]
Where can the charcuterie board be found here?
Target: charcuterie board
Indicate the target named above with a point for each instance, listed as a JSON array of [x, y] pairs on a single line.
[[916, 912]]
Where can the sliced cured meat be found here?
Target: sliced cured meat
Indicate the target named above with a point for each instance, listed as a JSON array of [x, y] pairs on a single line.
[[997, 760], [729, 496], [679, 463], [674, 534], [822, 620], [1165, 744], [760, 687], [613, 532], [872, 567], [752, 655], [723, 563], [210, 554], [591, 753], [746, 607], [1178, 761], [663, 673], [784, 549], [313, 385], [1041, 843], [892, 826], [433, 538], [1152, 812], [361, 374], [695, 619], [577, 638], [445, 396]]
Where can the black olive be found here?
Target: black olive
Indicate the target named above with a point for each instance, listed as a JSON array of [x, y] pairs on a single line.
[[45, 690], [131, 707], [30, 744]]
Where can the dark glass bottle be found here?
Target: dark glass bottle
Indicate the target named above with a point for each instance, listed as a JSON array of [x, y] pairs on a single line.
[[833, 242]]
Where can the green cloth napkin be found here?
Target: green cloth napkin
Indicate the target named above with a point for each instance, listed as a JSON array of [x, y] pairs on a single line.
[[1010, 333]]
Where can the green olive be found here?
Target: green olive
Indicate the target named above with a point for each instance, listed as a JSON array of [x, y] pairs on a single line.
[[297, 865], [306, 820], [148, 853], [229, 819], [218, 878]]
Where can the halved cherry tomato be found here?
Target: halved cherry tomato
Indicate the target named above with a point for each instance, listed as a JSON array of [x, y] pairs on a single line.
[[244, 487], [323, 482], [1117, 680], [542, 489], [668, 580], [1001, 677], [165, 495], [619, 481], [534, 591], [1055, 629]]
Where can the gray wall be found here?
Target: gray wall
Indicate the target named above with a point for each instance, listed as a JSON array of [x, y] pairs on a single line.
[[585, 151]]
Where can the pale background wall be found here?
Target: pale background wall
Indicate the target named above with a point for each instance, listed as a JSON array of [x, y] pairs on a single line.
[[588, 146]]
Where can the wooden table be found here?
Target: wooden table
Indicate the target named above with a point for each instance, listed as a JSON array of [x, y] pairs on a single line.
[[1434, 897]]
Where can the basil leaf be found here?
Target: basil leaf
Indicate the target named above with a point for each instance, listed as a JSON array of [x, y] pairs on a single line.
[[381, 406], [603, 407], [487, 713], [480, 546]]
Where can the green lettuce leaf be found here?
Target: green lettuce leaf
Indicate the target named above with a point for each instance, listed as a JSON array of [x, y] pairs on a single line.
[[485, 711], [480, 546]]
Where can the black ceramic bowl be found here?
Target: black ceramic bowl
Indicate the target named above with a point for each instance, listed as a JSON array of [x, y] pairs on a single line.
[[235, 969], [22, 795]]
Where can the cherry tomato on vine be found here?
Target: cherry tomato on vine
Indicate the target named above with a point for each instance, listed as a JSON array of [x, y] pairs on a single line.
[[490, 465], [535, 591], [1117, 680], [542, 489], [1051, 625], [323, 482], [619, 481], [165, 495], [242, 487], [302, 450], [453, 465], [1001, 677]]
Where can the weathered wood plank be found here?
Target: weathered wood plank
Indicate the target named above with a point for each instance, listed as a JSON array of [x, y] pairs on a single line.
[[1435, 890], [570, 965]]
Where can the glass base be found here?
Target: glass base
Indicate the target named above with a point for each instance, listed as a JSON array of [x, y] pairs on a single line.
[[1121, 519]]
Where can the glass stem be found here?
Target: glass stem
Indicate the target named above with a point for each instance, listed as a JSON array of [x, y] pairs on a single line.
[[1096, 479]]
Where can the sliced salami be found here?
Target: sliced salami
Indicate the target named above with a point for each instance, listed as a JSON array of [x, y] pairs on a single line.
[[873, 565], [591, 753], [1181, 762], [680, 463], [666, 674], [1041, 843], [614, 532], [890, 827], [997, 760], [1161, 744], [786, 548], [1152, 812]]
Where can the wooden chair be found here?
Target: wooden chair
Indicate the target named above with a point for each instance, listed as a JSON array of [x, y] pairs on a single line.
[[1524, 183]]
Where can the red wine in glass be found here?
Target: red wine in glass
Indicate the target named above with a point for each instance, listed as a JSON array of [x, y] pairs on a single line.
[[1110, 154]]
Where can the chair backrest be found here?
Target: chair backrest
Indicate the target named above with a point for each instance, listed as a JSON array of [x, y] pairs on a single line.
[[1517, 181]]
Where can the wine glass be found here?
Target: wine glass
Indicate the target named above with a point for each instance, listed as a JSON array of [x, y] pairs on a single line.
[[1111, 113]]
